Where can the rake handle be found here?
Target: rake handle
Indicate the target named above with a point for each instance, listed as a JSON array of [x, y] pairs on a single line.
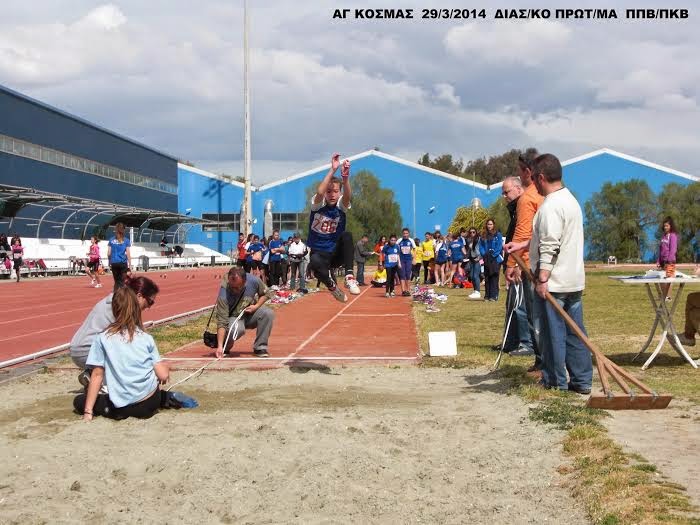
[[604, 365], [567, 319], [624, 373]]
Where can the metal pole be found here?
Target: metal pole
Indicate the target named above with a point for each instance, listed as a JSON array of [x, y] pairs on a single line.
[[414, 211], [473, 195], [246, 116]]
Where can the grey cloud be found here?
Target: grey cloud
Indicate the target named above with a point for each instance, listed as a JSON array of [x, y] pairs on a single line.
[[319, 85]]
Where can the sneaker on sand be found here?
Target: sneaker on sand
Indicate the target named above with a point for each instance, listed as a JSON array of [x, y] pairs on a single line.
[[84, 378], [351, 285], [261, 353], [474, 295], [686, 341], [339, 294]]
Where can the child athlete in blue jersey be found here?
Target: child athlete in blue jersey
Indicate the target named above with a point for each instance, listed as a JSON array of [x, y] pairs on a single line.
[[392, 263], [332, 246], [406, 249]]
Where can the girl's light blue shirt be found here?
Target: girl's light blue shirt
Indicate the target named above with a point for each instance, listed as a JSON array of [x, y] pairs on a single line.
[[128, 365]]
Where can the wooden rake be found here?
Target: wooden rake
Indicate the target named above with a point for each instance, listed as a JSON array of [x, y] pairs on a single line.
[[647, 399]]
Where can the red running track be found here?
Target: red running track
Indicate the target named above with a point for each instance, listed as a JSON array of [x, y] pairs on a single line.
[[40, 313], [317, 329]]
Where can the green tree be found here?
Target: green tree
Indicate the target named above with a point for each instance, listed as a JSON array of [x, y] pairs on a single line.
[[374, 211], [486, 171], [682, 203], [616, 219], [468, 216], [444, 163], [499, 213]]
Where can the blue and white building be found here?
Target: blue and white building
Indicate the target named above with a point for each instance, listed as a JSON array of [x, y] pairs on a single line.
[[45, 148]]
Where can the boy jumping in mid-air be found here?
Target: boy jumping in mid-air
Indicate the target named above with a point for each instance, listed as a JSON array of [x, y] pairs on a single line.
[[331, 246]]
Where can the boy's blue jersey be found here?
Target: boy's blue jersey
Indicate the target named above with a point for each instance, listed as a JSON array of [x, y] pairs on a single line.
[[326, 224], [441, 254], [391, 255], [456, 250], [405, 247], [275, 244]]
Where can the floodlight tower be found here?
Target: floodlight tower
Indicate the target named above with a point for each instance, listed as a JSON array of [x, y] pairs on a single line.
[[476, 202], [248, 221]]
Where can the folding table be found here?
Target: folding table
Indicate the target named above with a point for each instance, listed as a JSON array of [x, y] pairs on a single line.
[[663, 312]]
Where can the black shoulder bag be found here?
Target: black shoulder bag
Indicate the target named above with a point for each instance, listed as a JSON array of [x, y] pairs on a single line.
[[208, 337]]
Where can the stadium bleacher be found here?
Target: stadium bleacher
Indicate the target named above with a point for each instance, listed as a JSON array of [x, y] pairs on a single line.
[[60, 256]]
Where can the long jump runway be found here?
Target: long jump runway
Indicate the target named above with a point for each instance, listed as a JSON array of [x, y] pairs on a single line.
[[317, 329]]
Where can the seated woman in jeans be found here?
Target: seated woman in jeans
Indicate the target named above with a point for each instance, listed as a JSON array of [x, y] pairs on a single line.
[[126, 358]]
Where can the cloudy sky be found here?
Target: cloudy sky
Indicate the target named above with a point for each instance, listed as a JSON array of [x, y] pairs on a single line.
[[169, 73]]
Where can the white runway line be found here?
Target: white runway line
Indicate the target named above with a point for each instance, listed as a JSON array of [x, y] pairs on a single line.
[[374, 315], [313, 336]]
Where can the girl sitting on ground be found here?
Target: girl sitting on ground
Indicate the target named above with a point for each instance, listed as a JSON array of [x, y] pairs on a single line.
[[379, 279], [126, 358]]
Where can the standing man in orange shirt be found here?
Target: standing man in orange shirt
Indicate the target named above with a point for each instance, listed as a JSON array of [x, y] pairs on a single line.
[[528, 204]]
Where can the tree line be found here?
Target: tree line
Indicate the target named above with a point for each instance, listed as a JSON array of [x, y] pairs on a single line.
[[625, 219], [622, 219], [487, 171]]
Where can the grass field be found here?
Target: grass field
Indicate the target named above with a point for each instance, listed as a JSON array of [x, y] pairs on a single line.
[[618, 318], [615, 487]]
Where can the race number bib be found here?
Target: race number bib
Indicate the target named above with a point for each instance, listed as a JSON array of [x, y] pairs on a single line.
[[393, 257], [406, 250], [324, 225]]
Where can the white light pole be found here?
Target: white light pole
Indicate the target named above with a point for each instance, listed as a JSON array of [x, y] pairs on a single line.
[[246, 115], [476, 203]]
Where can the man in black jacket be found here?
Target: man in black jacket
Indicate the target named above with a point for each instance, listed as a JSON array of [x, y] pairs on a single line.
[[518, 340]]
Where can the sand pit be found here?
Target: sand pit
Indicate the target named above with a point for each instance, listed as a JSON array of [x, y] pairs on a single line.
[[346, 445]]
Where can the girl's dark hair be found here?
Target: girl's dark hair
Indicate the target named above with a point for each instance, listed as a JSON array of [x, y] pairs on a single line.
[[474, 241], [127, 313], [672, 224], [143, 286]]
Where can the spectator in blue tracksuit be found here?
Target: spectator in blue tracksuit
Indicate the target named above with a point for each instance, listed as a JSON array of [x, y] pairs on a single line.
[[491, 251]]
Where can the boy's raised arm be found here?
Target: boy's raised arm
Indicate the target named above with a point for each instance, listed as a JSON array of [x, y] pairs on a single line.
[[347, 192], [321, 190]]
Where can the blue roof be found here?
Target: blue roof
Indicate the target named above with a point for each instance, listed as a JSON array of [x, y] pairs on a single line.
[[82, 121]]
